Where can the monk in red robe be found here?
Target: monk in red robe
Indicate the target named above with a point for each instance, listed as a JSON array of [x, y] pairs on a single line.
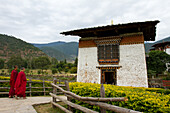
[[20, 84], [13, 78]]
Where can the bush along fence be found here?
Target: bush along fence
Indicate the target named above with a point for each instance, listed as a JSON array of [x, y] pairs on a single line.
[[152, 100], [93, 101]]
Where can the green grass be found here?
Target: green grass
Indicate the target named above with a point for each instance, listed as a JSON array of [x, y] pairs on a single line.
[[47, 108]]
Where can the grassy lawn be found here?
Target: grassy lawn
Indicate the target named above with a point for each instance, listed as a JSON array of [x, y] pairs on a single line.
[[47, 108]]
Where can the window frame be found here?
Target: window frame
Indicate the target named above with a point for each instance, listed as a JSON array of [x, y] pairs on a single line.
[[112, 58]]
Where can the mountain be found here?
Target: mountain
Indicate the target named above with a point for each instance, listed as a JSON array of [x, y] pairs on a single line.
[[49, 44], [54, 53], [69, 51], [10, 46], [60, 50], [148, 46]]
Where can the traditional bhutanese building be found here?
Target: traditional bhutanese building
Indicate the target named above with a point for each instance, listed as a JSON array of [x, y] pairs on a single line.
[[164, 46], [114, 54]]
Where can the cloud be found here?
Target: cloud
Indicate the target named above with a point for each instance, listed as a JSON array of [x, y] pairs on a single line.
[[38, 21]]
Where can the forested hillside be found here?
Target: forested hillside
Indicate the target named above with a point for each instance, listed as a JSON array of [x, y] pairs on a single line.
[[60, 50], [11, 46]]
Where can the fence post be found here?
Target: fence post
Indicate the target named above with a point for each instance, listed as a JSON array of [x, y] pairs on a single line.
[[68, 89], [30, 82], [102, 94], [44, 86], [59, 81], [54, 91]]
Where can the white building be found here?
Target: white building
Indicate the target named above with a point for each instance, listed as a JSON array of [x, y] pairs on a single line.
[[114, 54]]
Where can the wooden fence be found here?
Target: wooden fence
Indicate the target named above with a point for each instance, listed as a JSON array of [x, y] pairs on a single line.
[[97, 101], [43, 88], [30, 87]]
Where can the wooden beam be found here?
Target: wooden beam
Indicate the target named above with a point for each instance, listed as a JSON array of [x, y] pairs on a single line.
[[61, 107], [84, 109], [91, 98], [108, 106], [102, 94], [68, 89], [4, 81]]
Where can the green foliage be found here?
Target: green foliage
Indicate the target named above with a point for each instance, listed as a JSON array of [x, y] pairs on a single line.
[[157, 61], [39, 71], [54, 71], [152, 100], [66, 70], [73, 70], [70, 65], [2, 63], [65, 61], [60, 69], [151, 73], [54, 61], [76, 62], [41, 62], [16, 60]]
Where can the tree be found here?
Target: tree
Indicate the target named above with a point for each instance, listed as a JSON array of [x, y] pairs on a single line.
[[16, 60], [76, 62], [157, 61], [73, 70], [54, 61], [59, 69], [2, 63], [66, 69], [65, 61], [70, 65], [54, 70], [41, 62]]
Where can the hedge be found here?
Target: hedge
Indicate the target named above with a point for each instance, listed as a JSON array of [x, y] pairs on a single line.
[[151, 100]]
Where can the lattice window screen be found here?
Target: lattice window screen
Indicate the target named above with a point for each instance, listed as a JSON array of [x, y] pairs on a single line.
[[115, 51], [101, 52], [108, 53]]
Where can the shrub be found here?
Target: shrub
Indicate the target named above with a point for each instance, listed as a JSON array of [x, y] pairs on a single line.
[[139, 99], [39, 71], [54, 70], [73, 70]]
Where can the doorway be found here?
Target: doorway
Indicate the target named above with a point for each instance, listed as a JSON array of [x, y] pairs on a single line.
[[110, 78]]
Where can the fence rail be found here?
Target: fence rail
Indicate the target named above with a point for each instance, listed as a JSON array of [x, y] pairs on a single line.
[[60, 83], [30, 87], [97, 101]]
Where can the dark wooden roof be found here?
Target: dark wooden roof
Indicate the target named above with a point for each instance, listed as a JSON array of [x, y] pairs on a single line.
[[161, 44], [148, 28]]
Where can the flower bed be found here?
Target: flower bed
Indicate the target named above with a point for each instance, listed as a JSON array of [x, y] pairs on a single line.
[[140, 99]]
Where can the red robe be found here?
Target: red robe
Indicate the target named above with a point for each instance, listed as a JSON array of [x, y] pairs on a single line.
[[20, 85], [13, 78]]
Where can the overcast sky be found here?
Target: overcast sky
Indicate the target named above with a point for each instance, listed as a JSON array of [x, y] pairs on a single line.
[[41, 21]]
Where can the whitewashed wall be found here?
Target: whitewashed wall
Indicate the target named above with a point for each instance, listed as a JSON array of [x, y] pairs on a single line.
[[133, 71], [87, 71], [132, 60], [168, 51]]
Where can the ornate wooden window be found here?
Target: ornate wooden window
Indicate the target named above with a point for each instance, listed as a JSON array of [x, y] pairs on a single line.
[[108, 53], [108, 49]]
